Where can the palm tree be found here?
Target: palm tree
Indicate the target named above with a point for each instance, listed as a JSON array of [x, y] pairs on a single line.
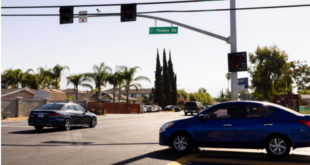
[[128, 75], [100, 76], [55, 73], [15, 77], [113, 80], [43, 78], [228, 78], [77, 80]]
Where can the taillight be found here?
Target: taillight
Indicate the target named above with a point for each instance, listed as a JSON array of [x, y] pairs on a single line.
[[53, 115], [196, 107], [30, 114], [305, 122]]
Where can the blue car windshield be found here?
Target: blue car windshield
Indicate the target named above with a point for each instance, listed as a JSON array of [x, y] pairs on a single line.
[[51, 107]]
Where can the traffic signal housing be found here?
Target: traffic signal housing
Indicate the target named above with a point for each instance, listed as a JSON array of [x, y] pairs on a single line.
[[237, 62], [66, 15], [128, 12]]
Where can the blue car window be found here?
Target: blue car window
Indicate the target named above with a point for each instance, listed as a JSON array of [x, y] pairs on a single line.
[[222, 112], [250, 111], [267, 112]]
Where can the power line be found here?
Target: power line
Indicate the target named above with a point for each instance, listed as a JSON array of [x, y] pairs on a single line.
[[168, 11], [94, 5]]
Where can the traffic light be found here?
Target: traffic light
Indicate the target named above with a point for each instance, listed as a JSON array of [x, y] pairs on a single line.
[[237, 62], [128, 12], [66, 15]]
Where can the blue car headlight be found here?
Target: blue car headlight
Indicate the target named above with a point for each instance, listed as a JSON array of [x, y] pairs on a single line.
[[164, 127]]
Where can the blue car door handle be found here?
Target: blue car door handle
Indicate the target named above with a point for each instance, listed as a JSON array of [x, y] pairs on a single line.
[[267, 125], [227, 125]]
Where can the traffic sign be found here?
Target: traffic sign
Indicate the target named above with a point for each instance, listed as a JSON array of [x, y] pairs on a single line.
[[163, 30], [83, 16]]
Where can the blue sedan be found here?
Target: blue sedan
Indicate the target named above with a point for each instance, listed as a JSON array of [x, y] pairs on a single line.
[[240, 124]]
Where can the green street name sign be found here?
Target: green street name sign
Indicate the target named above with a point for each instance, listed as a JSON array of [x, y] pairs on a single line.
[[163, 30]]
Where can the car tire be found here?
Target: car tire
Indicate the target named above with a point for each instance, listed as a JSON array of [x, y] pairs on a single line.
[[67, 125], [182, 143], [192, 114], [39, 128], [93, 123], [185, 114], [278, 146]]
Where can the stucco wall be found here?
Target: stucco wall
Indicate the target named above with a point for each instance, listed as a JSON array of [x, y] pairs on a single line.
[[30, 105], [9, 106]]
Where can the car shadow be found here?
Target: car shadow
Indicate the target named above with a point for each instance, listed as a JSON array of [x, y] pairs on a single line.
[[219, 158], [45, 130]]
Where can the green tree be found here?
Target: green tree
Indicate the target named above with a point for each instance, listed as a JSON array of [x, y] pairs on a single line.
[[173, 84], [227, 94], [301, 75], [158, 95], [128, 75], [228, 76], [202, 90], [267, 71], [201, 96], [79, 80], [166, 82], [183, 94], [55, 74], [100, 76]]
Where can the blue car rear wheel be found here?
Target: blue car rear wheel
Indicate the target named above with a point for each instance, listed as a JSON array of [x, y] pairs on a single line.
[[278, 146]]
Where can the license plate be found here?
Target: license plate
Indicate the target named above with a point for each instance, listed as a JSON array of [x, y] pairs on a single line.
[[40, 115]]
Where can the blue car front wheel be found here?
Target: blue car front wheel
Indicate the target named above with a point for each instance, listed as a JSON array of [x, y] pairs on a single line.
[[181, 142]]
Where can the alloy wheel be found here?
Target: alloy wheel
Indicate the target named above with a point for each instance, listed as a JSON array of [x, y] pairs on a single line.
[[94, 122], [68, 125], [277, 146], [180, 143]]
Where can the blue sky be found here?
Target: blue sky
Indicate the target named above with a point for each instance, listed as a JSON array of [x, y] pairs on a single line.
[[199, 60]]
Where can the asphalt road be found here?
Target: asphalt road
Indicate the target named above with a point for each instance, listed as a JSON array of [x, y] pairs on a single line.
[[119, 139]]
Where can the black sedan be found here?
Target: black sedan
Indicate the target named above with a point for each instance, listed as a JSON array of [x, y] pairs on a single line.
[[64, 115]]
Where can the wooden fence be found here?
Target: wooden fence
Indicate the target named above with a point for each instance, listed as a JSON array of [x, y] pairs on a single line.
[[114, 108]]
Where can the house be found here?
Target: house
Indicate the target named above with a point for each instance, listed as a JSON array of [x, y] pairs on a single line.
[[106, 97], [305, 98], [72, 90], [52, 94], [10, 94], [144, 92]]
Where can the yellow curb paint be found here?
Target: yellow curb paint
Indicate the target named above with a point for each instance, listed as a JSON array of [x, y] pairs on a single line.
[[184, 159]]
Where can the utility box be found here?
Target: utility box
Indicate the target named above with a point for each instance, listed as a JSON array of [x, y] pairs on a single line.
[[290, 101]]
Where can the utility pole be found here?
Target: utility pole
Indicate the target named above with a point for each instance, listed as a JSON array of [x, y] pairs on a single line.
[[233, 49]]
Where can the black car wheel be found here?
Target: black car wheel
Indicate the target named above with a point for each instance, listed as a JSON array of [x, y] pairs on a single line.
[[192, 114], [278, 146], [181, 142], [39, 128], [185, 113], [93, 123], [67, 125]]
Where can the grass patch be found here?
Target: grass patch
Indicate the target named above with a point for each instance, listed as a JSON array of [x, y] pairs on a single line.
[[305, 112]]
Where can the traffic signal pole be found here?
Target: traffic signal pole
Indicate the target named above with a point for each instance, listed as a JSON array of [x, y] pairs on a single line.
[[233, 49], [232, 40]]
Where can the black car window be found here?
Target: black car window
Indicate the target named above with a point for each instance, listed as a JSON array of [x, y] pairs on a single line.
[[71, 107], [79, 108], [51, 106], [190, 104], [222, 112]]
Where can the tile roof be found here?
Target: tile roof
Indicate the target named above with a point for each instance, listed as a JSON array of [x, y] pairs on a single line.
[[15, 91], [56, 94], [71, 90], [5, 91]]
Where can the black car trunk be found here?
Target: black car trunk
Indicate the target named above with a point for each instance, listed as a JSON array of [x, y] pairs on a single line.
[[42, 114]]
